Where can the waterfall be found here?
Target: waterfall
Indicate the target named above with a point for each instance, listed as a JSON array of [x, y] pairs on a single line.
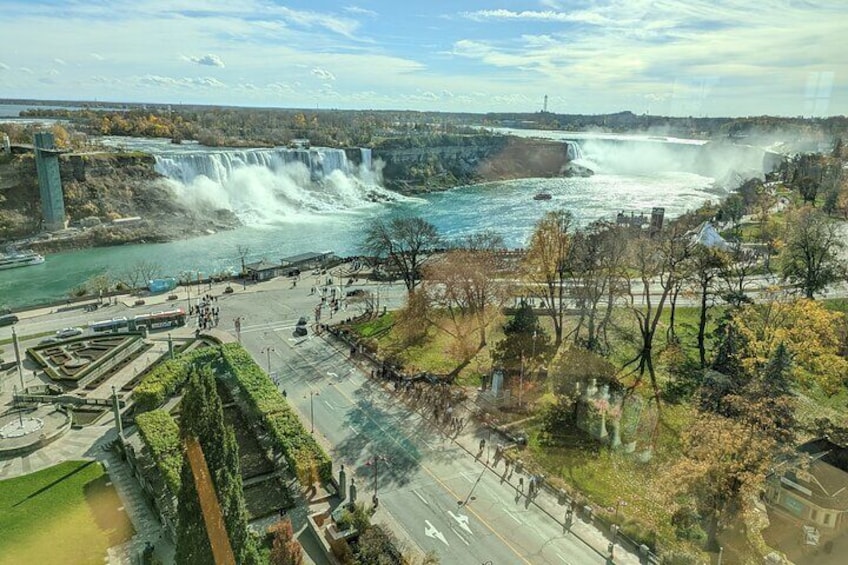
[[365, 152], [265, 185], [574, 151]]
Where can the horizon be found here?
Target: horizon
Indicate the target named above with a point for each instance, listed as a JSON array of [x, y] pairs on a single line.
[[682, 58]]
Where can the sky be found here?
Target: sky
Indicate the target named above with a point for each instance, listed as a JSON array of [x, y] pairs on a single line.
[[664, 57]]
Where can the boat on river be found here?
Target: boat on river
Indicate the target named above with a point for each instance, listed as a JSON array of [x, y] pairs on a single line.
[[20, 259], [542, 196]]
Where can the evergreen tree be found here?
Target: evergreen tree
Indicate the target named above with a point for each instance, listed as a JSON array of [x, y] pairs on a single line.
[[524, 338], [193, 546], [202, 416], [729, 347]]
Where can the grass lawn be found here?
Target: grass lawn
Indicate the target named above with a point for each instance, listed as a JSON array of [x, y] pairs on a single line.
[[66, 514]]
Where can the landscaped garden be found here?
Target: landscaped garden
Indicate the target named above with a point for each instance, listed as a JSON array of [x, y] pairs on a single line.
[[68, 514]]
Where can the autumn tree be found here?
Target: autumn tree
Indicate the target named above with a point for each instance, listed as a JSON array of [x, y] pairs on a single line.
[[547, 266], [463, 294], [811, 258], [659, 261], [405, 242], [285, 549], [599, 267], [723, 466], [808, 332]]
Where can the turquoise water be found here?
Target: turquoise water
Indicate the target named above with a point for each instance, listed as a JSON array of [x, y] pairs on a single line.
[[285, 213], [505, 207]]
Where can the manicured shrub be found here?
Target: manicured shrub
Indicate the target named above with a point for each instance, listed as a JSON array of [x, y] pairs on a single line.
[[166, 378], [307, 459], [161, 434]]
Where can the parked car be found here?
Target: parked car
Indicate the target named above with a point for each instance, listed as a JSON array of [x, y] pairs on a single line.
[[300, 331], [49, 340], [228, 290], [69, 332], [302, 321]]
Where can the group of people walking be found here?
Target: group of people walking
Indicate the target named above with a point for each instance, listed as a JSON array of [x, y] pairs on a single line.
[[207, 312]]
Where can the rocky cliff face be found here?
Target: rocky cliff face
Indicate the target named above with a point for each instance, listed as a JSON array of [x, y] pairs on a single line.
[[449, 161], [98, 188]]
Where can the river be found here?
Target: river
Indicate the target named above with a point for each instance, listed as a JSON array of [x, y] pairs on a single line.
[[286, 214]]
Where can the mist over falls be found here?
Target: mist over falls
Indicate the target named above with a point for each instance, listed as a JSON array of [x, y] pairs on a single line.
[[269, 185]]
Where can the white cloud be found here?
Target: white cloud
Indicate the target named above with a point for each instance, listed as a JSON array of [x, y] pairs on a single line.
[[208, 60], [184, 82], [501, 14], [4, 66], [26, 70], [360, 11], [97, 57], [323, 74], [59, 62]]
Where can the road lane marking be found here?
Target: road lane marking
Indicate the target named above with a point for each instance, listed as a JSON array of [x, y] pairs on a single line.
[[332, 374], [455, 496], [431, 531], [564, 560], [459, 536], [511, 515], [462, 520], [328, 405], [421, 497], [466, 477], [354, 430]]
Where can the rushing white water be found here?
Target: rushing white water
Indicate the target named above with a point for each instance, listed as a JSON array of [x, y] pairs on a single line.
[[268, 185]]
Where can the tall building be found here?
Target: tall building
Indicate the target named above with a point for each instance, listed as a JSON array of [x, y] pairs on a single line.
[[49, 182]]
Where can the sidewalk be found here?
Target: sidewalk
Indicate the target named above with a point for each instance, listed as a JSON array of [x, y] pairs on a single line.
[[546, 500]]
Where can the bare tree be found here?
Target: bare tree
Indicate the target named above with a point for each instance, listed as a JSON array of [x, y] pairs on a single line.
[[547, 266], [735, 273], [463, 294], [137, 274], [242, 251], [598, 264], [405, 242], [706, 264], [657, 261]]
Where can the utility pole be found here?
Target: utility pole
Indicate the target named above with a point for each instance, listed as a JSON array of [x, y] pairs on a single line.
[[18, 358]]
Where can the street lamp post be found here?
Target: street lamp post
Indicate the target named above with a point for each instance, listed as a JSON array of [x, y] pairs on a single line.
[[374, 461], [237, 324], [267, 351], [312, 394], [461, 503]]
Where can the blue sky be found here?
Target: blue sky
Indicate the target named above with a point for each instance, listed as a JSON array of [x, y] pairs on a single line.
[[674, 57]]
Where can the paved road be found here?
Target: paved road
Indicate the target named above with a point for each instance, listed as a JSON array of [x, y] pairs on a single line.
[[421, 475]]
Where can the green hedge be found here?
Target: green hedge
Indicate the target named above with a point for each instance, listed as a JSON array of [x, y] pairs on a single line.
[[161, 434], [268, 406], [167, 377]]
